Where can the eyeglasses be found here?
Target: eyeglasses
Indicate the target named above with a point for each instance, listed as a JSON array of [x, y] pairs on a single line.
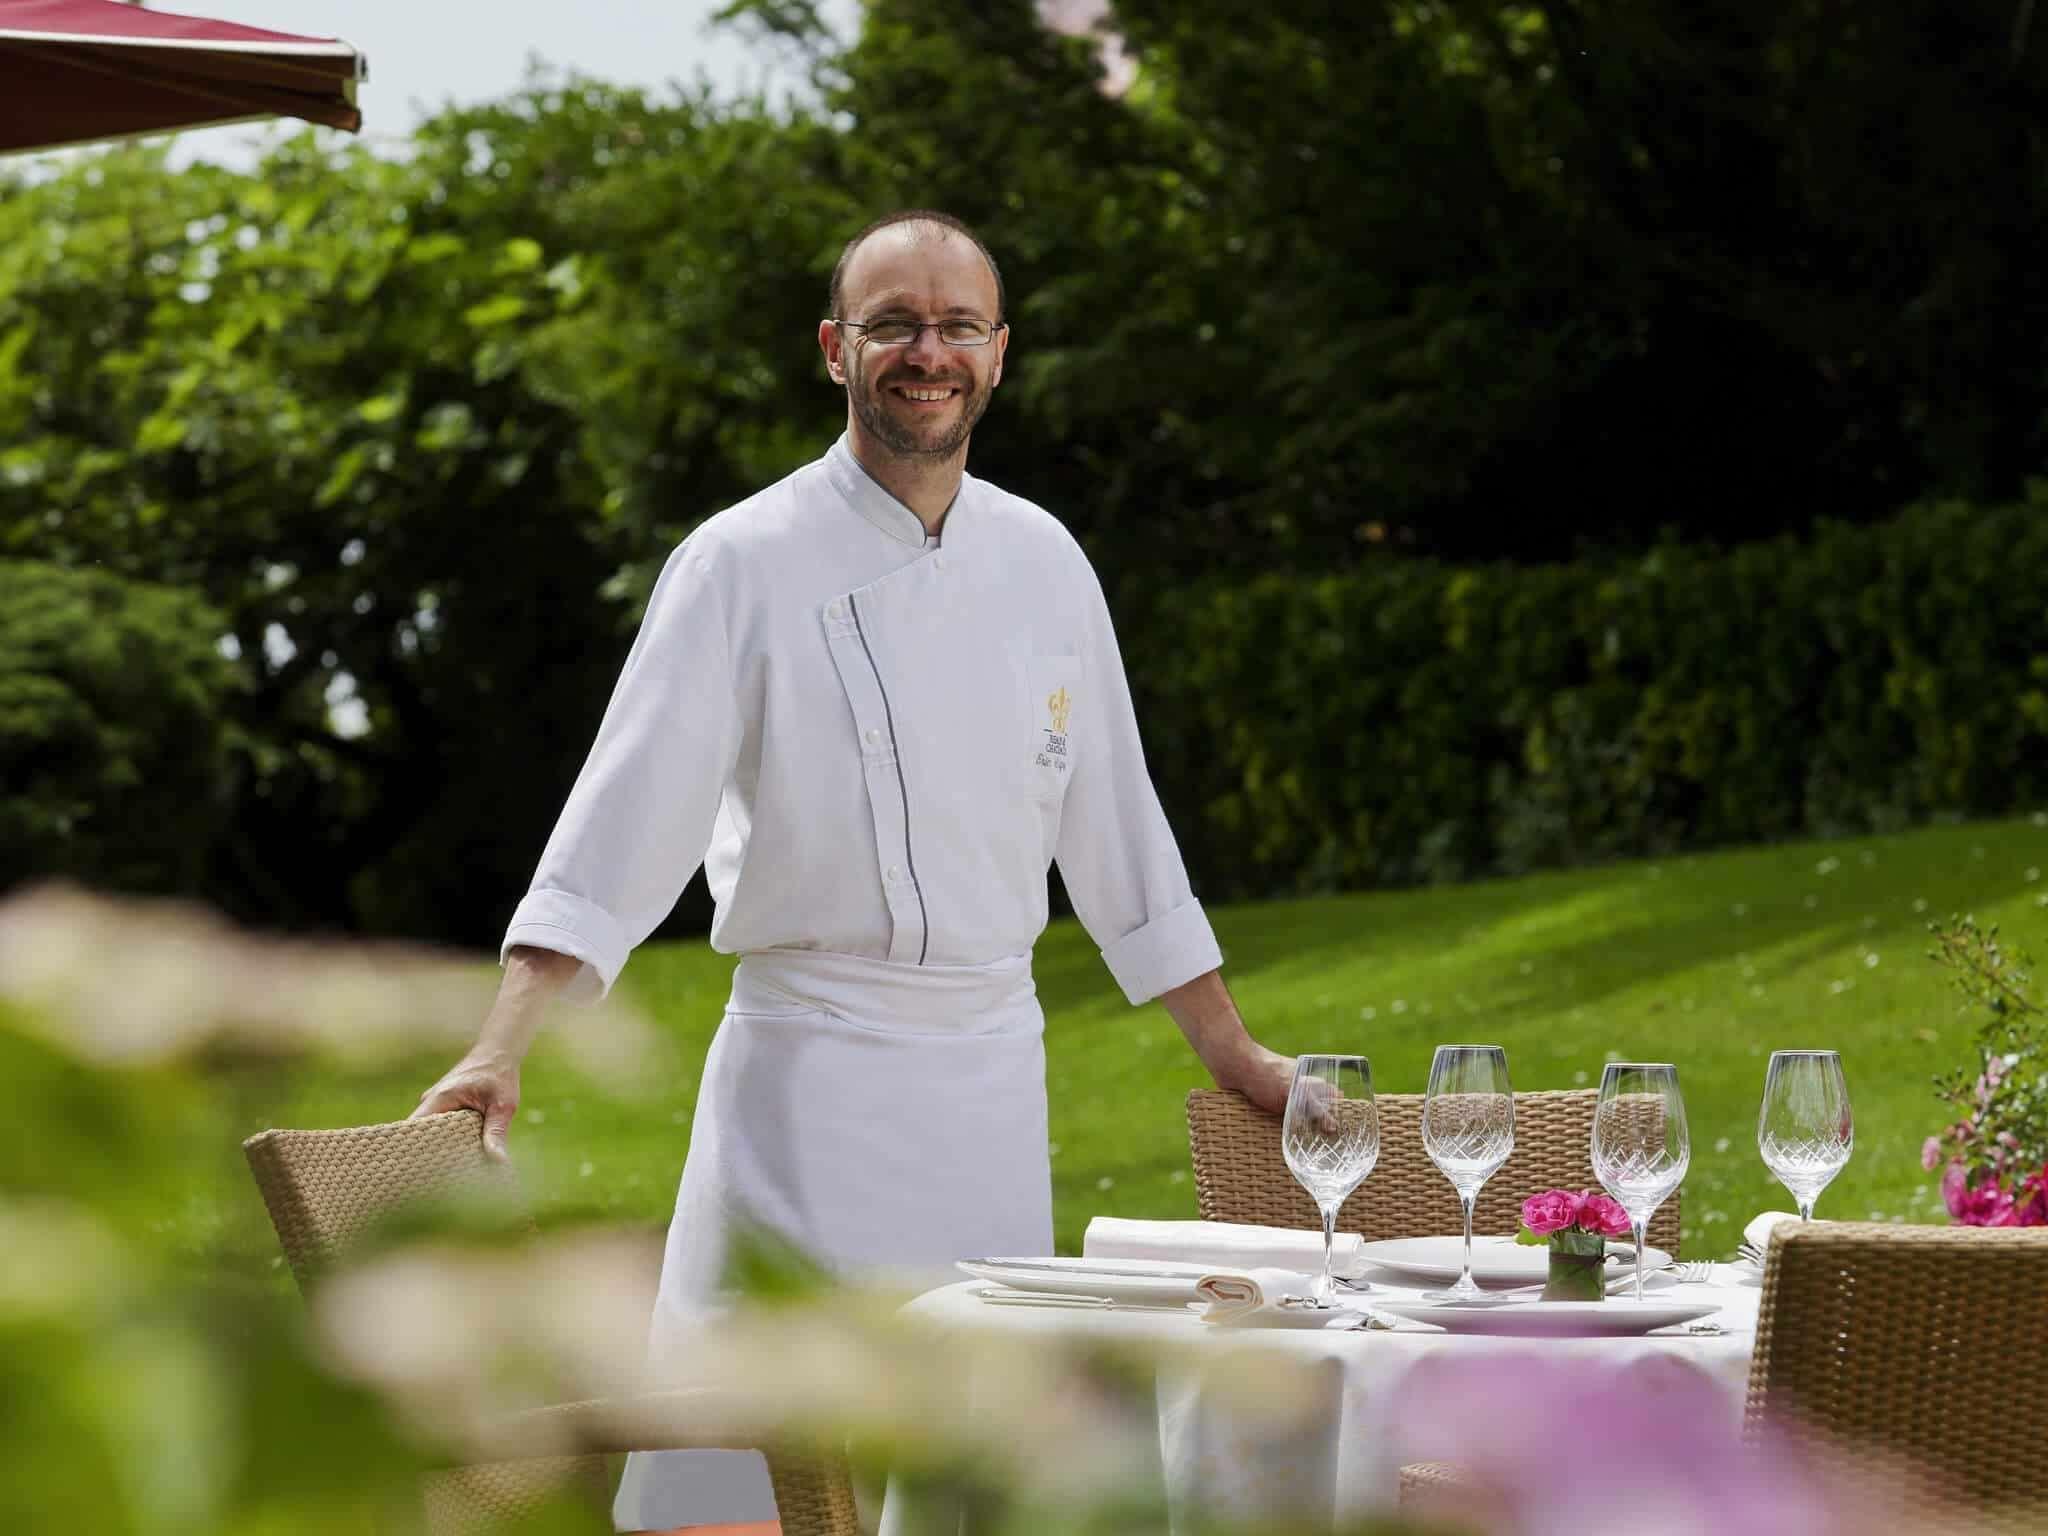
[[897, 333]]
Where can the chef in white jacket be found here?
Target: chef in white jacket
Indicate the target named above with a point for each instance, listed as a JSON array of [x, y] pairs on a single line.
[[875, 701]]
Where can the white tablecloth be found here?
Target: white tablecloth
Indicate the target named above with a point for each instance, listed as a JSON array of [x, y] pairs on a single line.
[[1346, 1466]]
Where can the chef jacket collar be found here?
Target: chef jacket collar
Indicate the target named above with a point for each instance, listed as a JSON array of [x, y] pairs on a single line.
[[879, 506]]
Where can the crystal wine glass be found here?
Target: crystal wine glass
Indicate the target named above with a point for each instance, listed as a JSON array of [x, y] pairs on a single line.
[[1804, 1130], [1330, 1137], [1468, 1130], [1641, 1148]]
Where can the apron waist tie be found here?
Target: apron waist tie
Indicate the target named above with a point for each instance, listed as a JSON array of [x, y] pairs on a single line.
[[888, 994]]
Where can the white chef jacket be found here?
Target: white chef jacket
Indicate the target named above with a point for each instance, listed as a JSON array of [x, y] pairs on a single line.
[[875, 745]]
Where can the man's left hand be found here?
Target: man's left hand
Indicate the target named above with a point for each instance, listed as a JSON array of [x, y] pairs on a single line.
[[1263, 1077]]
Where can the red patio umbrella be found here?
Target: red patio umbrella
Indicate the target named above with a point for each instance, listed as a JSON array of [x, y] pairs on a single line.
[[76, 70]]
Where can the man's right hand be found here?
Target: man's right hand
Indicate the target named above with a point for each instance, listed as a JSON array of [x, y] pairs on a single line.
[[487, 1079], [482, 1083]]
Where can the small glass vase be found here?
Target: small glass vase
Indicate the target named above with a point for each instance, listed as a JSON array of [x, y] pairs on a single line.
[[1578, 1267]]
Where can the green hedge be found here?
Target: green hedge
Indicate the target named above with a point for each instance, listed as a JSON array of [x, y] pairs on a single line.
[[1412, 722]]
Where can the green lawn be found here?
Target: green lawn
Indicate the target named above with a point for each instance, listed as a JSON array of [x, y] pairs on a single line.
[[1709, 961]]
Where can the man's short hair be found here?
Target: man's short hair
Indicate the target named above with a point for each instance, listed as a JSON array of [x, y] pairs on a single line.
[[931, 216]]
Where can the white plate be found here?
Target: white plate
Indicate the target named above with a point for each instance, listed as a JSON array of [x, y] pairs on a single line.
[[1495, 1260], [1552, 1319], [1146, 1282]]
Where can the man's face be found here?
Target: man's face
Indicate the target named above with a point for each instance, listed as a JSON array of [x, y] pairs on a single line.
[[920, 399]]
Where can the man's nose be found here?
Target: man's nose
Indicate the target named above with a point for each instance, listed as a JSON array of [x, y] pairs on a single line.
[[927, 351]]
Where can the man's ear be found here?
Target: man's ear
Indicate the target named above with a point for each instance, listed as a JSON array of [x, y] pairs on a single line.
[[832, 345]]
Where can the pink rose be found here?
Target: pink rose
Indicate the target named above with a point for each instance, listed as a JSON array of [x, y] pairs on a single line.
[[1599, 1214], [1930, 1152], [1553, 1211], [1987, 1205]]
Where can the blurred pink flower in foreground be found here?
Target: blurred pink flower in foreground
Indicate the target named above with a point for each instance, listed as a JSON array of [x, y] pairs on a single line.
[[1550, 1444]]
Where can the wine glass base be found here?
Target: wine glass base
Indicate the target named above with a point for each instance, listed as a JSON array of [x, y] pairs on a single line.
[[1464, 1290]]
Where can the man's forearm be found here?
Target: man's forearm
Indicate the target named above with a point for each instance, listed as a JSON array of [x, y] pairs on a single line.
[[533, 979], [1207, 1015]]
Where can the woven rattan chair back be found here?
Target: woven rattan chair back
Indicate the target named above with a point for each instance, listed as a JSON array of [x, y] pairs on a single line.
[[1240, 1174], [1911, 1340], [325, 1189]]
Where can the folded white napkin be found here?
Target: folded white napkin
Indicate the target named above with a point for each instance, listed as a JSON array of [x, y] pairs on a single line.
[[1221, 1243], [1260, 1298], [1758, 1232]]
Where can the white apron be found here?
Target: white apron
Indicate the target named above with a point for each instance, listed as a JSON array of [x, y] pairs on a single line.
[[882, 1116]]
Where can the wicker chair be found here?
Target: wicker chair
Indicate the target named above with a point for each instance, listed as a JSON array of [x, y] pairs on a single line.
[[324, 1189], [1241, 1176], [1912, 1341]]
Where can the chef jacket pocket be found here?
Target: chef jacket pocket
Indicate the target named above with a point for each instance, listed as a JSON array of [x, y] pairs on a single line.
[[1053, 684]]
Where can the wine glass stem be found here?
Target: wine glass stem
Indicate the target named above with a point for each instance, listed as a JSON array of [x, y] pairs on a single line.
[[1326, 1286], [1641, 1229], [1464, 1199], [1806, 1208]]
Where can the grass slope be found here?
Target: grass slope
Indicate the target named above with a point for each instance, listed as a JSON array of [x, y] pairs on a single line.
[[1710, 961]]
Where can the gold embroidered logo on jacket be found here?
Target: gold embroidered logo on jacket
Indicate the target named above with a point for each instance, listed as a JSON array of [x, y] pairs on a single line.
[[1061, 706]]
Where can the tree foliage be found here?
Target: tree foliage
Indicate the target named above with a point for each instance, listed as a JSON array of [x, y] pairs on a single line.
[[115, 740], [1328, 286]]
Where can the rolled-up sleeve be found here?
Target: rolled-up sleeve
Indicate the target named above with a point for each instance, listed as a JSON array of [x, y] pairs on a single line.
[[636, 824], [1116, 854]]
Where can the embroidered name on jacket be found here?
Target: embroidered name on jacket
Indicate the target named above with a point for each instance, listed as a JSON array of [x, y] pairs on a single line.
[[1052, 751]]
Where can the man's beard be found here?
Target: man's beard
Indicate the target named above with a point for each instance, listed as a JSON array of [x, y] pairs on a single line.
[[899, 436]]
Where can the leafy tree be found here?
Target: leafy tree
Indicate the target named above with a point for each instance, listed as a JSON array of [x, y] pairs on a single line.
[[116, 749], [1327, 286]]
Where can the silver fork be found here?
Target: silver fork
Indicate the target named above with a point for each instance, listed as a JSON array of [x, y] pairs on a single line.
[[1693, 1272]]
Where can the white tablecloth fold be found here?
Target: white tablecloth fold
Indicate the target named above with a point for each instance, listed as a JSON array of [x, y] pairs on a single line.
[[1227, 1245]]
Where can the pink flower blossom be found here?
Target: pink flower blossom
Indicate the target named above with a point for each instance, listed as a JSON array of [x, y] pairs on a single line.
[[2029, 1206], [1986, 1205], [1553, 1211], [1599, 1214], [1930, 1152]]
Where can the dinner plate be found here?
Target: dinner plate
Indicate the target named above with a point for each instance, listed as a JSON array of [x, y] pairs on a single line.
[[1552, 1319], [1495, 1260], [1144, 1282]]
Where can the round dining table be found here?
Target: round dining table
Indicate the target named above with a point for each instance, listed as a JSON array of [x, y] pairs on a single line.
[[1340, 1458]]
